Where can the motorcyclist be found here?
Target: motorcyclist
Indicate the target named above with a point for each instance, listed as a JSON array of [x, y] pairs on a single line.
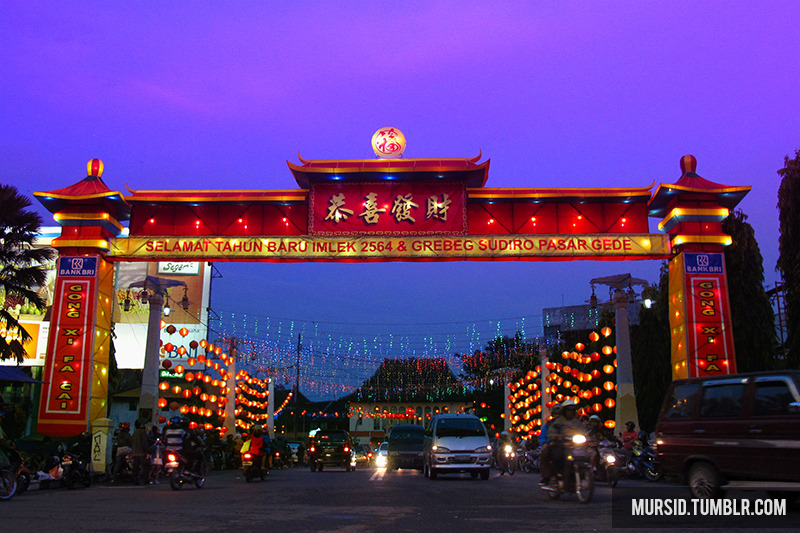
[[124, 442], [256, 447], [596, 433], [546, 456], [629, 435], [177, 439], [500, 446], [562, 429]]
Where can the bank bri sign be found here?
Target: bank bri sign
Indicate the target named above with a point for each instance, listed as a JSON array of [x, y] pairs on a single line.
[[704, 264]]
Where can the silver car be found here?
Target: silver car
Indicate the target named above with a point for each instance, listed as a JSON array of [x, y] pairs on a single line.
[[456, 443]]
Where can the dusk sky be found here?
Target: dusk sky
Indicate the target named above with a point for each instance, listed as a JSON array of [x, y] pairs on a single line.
[[219, 95]]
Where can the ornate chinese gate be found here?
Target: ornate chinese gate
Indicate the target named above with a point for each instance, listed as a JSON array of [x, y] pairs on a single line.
[[378, 210]]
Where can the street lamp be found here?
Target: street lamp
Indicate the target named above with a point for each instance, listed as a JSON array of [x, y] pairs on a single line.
[[154, 291], [621, 286]]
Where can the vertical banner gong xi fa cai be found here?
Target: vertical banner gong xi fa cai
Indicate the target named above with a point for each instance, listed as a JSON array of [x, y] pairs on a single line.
[[702, 323], [63, 410]]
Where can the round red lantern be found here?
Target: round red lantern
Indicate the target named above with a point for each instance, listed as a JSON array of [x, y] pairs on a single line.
[[171, 329], [166, 363], [173, 406]]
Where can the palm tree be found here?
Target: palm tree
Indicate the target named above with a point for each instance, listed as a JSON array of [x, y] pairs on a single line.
[[22, 267]]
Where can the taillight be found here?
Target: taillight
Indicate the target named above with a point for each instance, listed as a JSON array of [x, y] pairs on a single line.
[[172, 458], [247, 457], [311, 449], [346, 449], [277, 454]]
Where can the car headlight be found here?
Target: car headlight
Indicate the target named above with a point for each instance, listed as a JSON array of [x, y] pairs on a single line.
[[381, 460], [509, 449], [610, 459], [579, 439], [483, 449]]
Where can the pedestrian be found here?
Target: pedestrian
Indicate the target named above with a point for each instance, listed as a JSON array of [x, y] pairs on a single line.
[[139, 448]]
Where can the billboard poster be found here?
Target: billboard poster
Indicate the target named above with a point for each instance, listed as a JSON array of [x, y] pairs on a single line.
[[64, 407]]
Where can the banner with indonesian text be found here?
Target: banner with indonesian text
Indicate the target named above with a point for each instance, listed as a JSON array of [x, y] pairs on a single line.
[[388, 248]]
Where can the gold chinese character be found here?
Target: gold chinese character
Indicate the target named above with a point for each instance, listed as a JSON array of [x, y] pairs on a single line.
[[336, 209], [437, 209], [402, 208], [371, 211]]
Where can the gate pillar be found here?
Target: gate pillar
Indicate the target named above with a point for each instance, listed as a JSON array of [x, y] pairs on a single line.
[[692, 212], [75, 394]]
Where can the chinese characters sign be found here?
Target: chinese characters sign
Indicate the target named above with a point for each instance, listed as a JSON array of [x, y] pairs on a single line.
[[705, 317], [63, 410], [422, 247], [386, 208], [388, 143]]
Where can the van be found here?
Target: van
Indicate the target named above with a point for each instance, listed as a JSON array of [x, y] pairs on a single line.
[[733, 431], [456, 443], [405, 445]]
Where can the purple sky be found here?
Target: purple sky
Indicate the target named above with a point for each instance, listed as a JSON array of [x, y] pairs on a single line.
[[218, 95]]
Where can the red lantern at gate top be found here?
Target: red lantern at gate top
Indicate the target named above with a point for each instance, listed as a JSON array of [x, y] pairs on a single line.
[[183, 332]]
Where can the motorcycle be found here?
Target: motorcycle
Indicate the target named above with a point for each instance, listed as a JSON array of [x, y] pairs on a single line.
[[74, 470], [177, 468], [644, 460], [642, 463], [507, 459], [577, 476], [8, 478], [529, 460], [252, 467], [607, 469]]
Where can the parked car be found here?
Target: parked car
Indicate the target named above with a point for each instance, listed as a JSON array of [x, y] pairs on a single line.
[[405, 447], [382, 455], [736, 430], [456, 443], [330, 448]]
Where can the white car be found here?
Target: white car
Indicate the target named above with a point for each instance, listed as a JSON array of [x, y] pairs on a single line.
[[382, 455]]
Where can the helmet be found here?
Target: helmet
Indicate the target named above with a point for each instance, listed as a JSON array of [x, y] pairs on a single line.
[[630, 423], [568, 404], [556, 409], [177, 422], [594, 417], [125, 426]]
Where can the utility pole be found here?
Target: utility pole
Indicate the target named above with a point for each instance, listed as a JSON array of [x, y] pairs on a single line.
[[297, 388]]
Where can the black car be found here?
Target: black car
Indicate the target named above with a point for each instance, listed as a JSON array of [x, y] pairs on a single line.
[[331, 448], [405, 447]]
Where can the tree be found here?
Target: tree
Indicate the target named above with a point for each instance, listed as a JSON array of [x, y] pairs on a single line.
[[752, 317], [650, 354], [789, 258], [22, 268]]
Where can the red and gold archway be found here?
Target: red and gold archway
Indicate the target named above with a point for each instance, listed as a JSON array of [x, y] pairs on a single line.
[[377, 210]]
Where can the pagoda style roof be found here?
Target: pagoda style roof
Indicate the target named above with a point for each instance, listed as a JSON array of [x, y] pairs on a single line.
[[560, 194], [89, 191], [323, 170], [690, 182], [218, 196]]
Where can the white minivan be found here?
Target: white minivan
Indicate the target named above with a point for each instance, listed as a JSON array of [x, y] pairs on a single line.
[[456, 443]]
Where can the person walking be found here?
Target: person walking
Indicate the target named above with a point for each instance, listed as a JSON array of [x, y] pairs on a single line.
[[139, 447]]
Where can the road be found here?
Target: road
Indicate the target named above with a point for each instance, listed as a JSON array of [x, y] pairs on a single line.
[[296, 500]]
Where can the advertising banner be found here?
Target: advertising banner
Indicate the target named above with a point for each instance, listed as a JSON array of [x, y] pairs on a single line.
[[368, 248], [63, 410], [707, 330], [388, 208]]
